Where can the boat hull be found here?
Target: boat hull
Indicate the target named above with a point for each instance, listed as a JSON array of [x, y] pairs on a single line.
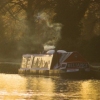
[[62, 73], [78, 75]]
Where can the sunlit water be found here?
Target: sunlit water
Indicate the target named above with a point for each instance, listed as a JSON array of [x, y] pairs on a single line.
[[18, 87]]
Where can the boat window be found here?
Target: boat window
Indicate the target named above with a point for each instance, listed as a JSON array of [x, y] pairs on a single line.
[[63, 65], [28, 62], [24, 62], [69, 65]]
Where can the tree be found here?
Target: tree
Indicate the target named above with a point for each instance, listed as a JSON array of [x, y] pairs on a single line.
[[37, 22], [35, 19], [91, 21], [70, 14]]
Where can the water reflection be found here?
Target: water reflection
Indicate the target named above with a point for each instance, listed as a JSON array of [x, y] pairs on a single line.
[[91, 89], [14, 87]]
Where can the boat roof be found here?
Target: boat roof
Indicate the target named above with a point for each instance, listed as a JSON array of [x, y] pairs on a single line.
[[36, 55], [53, 51]]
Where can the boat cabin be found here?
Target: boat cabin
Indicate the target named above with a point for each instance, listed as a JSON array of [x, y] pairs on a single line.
[[60, 59]]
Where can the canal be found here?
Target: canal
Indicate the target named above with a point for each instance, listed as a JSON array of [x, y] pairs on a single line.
[[20, 87]]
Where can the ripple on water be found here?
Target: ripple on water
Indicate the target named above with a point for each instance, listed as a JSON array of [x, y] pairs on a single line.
[[16, 87]]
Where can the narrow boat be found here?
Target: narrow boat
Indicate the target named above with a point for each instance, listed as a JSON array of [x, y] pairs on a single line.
[[55, 62]]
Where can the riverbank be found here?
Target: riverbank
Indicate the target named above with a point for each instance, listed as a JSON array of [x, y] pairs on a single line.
[[95, 70], [13, 67], [9, 67]]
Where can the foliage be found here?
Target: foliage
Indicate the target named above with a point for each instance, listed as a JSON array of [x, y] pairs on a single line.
[[80, 20], [90, 49], [28, 25], [30, 20]]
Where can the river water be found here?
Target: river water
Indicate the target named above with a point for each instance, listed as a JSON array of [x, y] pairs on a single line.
[[19, 87]]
